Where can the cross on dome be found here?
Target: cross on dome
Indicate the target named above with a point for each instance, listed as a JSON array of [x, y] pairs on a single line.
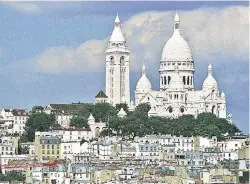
[[210, 71], [176, 17], [117, 20], [176, 23], [143, 69]]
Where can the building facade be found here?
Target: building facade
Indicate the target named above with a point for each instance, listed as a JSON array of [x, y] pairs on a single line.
[[177, 95], [117, 67]]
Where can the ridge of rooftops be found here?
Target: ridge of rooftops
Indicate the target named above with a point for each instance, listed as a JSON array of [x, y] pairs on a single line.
[[17, 112]]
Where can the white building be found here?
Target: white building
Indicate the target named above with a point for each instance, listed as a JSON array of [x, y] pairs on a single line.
[[117, 67], [69, 148], [7, 149], [63, 113], [80, 173], [102, 149], [18, 117], [206, 142], [177, 95], [178, 143], [6, 166], [231, 145], [73, 133], [213, 155]]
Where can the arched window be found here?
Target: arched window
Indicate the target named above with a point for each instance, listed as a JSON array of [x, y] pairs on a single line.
[[165, 80], [184, 80], [182, 110], [213, 109], [97, 131], [170, 109], [169, 79], [181, 96], [161, 81], [188, 80], [191, 80], [122, 60], [176, 26]]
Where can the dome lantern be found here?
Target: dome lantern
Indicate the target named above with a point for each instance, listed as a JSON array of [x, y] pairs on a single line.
[[176, 22]]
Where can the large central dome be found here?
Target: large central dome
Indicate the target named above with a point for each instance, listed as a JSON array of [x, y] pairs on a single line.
[[176, 48]]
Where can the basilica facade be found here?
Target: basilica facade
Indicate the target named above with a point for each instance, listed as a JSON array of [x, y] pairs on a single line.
[[177, 95]]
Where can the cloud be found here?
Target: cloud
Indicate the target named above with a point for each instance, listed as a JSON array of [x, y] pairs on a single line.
[[24, 7], [213, 34]]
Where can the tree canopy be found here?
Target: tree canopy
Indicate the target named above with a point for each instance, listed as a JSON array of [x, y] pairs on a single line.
[[12, 176], [136, 123], [37, 121]]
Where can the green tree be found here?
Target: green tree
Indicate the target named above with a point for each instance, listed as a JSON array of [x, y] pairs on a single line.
[[12, 176], [79, 121], [38, 121], [122, 105], [142, 108], [103, 111]]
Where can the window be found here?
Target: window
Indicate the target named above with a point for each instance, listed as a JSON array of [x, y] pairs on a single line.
[[170, 110], [165, 80], [184, 80], [182, 110], [176, 26], [169, 79]]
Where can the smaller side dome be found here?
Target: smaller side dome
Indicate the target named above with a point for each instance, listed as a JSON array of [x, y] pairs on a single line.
[[91, 118], [143, 83], [210, 82], [121, 113]]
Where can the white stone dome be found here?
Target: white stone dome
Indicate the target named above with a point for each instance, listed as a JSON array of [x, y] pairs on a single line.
[[210, 82], [143, 83], [121, 113], [176, 48]]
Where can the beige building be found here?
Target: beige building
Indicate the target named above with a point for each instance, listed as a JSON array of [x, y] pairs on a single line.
[[47, 145]]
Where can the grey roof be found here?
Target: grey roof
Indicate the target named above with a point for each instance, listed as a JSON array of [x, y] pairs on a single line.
[[101, 94]]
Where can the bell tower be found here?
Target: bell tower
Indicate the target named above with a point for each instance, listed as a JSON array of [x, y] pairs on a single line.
[[117, 67]]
